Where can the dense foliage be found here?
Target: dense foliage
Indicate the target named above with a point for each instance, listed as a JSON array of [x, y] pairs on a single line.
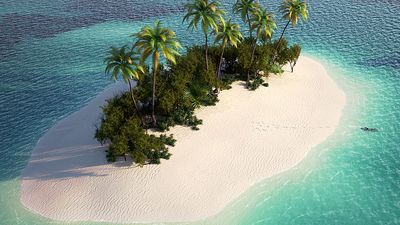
[[168, 95], [122, 128]]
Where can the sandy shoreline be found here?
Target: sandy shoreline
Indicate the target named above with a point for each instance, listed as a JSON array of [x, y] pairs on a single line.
[[249, 136]]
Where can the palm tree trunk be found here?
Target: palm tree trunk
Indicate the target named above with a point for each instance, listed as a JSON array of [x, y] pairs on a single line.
[[135, 103], [252, 59], [153, 100], [220, 62], [279, 41], [206, 47], [133, 97], [250, 31], [155, 66]]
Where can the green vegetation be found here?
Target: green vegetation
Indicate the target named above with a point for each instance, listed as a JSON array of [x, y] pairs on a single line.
[[186, 81], [228, 34], [124, 63], [293, 55], [264, 24], [155, 41], [293, 11], [124, 131], [246, 8], [208, 14]]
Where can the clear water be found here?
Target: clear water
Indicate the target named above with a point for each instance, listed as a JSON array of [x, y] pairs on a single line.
[[51, 56]]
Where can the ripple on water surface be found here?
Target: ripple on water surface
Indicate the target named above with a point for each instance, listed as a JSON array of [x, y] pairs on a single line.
[[51, 64]]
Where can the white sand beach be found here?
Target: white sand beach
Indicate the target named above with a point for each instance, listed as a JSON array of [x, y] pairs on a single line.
[[247, 137]]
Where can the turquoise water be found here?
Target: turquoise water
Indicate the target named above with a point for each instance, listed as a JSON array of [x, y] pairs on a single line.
[[51, 56]]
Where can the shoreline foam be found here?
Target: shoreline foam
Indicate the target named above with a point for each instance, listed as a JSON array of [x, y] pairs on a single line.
[[248, 137]]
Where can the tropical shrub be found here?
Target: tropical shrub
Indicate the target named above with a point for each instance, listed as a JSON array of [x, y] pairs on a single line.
[[276, 69], [182, 87], [294, 54], [255, 83], [168, 95], [124, 132], [168, 140]]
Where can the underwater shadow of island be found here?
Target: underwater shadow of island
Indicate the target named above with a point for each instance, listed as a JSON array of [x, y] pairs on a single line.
[[15, 27]]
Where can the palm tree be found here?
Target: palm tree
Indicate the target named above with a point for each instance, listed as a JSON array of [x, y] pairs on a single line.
[[246, 8], [124, 63], [156, 41], [205, 13], [293, 11], [264, 24], [228, 33]]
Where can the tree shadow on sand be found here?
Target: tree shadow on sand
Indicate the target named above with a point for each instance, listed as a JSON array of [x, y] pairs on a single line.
[[70, 163]]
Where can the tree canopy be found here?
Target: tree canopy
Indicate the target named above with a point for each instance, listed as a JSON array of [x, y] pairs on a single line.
[[167, 94]]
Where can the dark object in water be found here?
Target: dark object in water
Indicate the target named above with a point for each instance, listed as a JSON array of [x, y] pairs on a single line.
[[369, 129]]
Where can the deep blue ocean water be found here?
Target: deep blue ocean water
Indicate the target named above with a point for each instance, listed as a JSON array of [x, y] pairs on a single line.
[[51, 55]]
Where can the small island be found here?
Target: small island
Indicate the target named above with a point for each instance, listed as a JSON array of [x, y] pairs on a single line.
[[168, 94], [187, 133]]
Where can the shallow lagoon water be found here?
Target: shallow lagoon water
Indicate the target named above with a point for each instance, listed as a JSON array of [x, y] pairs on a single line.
[[51, 64]]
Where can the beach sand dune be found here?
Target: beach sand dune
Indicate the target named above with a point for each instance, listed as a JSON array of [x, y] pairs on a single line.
[[249, 136]]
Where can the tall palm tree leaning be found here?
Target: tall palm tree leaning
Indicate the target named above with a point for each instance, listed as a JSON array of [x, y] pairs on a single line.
[[123, 62], [228, 34], [264, 24], [246, 8], [293, 11], [156, 41], [207, 14]]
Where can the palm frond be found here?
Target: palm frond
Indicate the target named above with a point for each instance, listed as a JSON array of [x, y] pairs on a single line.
[[294, 10], [123, 62]]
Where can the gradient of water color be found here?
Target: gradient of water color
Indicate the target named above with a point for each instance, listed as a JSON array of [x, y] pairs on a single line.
[[51, 56]]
